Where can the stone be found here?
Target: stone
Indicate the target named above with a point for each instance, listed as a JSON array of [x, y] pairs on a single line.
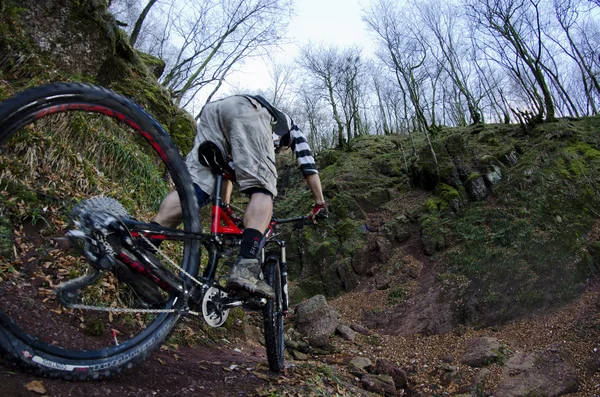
[[299, 355], [360, 329], [346, 274], [549, 373], [383, 281], [384, 366], [384, 247], [477, 189], [346, 332], [291, 343], [480, 379], [494, 176], [316, 320], [382, 384], [361, 363], [481, 351]]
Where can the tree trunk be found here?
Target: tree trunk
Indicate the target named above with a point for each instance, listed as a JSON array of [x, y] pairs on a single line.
[[138, 24]]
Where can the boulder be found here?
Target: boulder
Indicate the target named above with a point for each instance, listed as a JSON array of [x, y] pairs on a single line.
[[481, 351], [362, 363], [384, 366], [346, 274], [316, 320], [477, 188], [346, 332], [381, 384], [549, 373]]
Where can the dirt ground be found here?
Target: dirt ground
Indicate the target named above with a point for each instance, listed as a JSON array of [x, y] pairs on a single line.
[[222, 371], [414, 335]]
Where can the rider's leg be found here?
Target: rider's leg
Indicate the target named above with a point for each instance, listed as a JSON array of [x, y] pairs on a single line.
[[256, 219], [226, 190], [246, 273], [259, 211], [170, 214]]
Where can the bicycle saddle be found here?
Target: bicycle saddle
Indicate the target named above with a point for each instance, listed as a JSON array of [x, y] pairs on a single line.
[[212, 156]]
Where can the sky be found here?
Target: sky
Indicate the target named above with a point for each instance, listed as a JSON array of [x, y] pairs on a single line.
[[335, 22]]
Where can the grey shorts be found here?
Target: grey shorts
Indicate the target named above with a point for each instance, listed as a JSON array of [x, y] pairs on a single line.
[[243, 129]]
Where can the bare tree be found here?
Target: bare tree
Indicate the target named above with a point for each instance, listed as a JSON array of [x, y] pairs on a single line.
[[517, 22], [405, 52], [567, 13], [138, 24], [203, 42], [442, 20], [323, 62]]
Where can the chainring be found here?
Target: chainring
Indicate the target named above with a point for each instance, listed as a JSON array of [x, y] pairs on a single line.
[[212, 307]]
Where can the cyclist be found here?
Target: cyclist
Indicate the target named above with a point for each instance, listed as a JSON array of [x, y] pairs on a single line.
[[248, 129]]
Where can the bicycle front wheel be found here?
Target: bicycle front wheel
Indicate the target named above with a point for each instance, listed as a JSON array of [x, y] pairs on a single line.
[[273, 316], [63, 144]]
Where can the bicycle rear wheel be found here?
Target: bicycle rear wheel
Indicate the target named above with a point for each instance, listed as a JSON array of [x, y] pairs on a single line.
[[62, 144], [273, 316]]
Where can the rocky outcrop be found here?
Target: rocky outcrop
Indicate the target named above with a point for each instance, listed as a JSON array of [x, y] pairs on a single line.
[[549, 373]]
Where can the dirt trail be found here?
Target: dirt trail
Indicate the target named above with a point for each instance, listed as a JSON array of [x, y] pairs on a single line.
[[185, 371]]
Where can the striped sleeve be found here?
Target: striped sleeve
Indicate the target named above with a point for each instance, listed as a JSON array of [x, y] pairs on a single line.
[[304, 155]]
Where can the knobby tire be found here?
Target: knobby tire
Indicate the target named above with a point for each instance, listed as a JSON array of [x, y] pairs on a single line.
[[22, 117], [273, 316]]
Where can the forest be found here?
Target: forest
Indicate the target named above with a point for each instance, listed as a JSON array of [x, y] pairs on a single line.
[[450, 63]]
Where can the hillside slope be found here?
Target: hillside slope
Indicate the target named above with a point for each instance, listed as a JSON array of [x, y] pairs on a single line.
[[509, 226], [499, 238]]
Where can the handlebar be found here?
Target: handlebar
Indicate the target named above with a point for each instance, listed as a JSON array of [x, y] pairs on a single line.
[[302, 219]]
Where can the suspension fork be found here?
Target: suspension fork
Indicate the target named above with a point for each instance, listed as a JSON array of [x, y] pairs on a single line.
[[284, 285]]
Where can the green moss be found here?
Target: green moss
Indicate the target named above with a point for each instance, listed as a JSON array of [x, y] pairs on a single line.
[[154, 64], [472, 177], [183, 131], [397, 295], [94, 327], [343, 205]]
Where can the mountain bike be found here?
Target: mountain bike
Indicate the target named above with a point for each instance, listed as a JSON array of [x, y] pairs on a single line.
[[82, 170]]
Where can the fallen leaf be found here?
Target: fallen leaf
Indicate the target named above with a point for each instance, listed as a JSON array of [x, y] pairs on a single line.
[[261, 376], [36, 386]]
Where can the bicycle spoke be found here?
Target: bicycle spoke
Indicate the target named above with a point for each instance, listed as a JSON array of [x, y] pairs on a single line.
[[50, 168]]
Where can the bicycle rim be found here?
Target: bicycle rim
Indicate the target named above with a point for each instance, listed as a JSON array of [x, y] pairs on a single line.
[[63, 144], [273, 317]]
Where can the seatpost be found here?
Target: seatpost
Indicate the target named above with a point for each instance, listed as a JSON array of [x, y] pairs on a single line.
[[213, 252], [218, 185]]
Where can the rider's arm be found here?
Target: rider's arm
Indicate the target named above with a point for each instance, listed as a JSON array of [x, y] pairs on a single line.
[[314, 183], [306, 162]]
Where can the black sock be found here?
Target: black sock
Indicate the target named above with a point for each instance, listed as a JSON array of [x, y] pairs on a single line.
[[251, 239]]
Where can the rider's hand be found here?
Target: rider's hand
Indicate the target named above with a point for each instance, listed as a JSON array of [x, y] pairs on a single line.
[[319, 212]]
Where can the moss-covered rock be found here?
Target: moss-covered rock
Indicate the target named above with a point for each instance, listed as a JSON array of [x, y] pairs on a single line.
[[154, 64], [432, 235], [399, 230]]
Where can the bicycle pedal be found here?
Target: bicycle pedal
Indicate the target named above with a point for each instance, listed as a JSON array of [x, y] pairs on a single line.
[[254, 303]]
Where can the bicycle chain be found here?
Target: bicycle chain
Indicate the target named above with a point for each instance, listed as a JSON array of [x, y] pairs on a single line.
[[127, 310], [176, 266]]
